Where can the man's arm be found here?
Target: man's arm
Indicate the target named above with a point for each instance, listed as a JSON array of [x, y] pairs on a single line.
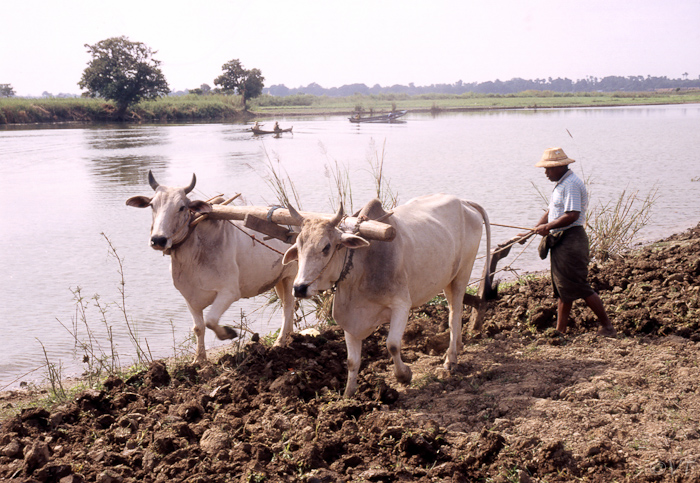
[[543, 228]]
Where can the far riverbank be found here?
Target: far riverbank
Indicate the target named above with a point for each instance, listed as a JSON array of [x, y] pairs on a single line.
[[193, 108]]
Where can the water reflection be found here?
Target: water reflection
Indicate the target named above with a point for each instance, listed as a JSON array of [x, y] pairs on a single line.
[[125, 170], [126, 138]]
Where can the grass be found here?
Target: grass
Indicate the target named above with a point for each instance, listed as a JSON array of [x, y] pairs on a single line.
[[470, 101], [190, 107], [219, 107], [19, 110], [614, 225]]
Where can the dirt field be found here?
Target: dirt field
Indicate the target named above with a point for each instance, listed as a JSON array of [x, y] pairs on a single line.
[[525, 403]]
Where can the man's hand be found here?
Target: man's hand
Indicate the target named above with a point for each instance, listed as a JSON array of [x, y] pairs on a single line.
[[542, 230]]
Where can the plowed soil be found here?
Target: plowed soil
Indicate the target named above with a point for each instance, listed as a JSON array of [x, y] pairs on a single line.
[[524, 404]]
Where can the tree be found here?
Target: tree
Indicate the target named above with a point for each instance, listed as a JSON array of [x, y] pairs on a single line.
[[6, 90], [247, 83], [124, 72]]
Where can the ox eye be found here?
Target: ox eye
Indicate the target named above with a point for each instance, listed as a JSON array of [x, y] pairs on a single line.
[[182, 208], [326, 249]]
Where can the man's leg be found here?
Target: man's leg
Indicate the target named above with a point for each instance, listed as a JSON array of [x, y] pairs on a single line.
[[563, 311], [596, 305]]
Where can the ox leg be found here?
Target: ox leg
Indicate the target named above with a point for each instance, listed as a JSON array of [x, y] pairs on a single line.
[[454, 293], [284, 292], [397, 326], [354, 346], [198, 328], [221, 304]]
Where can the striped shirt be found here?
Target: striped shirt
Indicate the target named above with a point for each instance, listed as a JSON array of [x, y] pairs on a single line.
[[569, 194]]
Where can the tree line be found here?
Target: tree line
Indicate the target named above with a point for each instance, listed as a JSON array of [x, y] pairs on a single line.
[[589, 84]]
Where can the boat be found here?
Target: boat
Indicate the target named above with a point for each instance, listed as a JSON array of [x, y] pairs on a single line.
[[392, 117], [274, 131]]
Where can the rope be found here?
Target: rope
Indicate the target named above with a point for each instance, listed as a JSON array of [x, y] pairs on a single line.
[[507, 267], [252, 237], [508, 245], [271, 211], [512, 226]]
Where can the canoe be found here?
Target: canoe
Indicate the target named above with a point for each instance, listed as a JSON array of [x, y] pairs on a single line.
[[392, 117], [263, 131]]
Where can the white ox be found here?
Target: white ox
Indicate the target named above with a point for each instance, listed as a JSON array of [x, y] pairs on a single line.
[[214, 263], [437, 239]]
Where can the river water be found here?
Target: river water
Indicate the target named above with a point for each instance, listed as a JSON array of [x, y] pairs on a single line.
[[64, 189]]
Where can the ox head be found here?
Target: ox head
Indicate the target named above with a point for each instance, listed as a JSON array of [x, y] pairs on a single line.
[[172, 212], [316, 250]]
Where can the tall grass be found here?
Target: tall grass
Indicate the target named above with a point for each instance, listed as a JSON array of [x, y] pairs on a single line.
[[172, 108], [20, 110], [382, 185], [189, 107], [613, 226], [340, 192], [95, 340]]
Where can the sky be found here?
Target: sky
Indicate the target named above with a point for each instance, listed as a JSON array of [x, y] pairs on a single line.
[[338, 42]]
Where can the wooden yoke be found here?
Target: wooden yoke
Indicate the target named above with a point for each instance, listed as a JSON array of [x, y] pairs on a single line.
[[370, 229]]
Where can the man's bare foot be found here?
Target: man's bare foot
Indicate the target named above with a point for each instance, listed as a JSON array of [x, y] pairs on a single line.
[[607, 331]]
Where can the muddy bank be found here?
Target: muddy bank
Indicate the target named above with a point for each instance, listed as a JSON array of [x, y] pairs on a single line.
[[524, 403]]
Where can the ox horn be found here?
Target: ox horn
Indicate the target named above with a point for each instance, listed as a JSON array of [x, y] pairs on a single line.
[[191, 186], [338, 216], [152, 181], [295, 215]]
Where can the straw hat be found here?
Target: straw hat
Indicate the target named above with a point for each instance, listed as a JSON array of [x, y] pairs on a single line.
[[554, 157]]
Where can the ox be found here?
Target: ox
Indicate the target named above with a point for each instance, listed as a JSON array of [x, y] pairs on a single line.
[[214, 263], [437, 239]]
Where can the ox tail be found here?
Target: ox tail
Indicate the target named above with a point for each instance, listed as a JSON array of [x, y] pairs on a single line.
[[486, 289]]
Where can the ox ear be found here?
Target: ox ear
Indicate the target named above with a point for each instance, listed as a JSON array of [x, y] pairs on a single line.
[[199, 206], [139, 201], [353, 241], [291, 255]]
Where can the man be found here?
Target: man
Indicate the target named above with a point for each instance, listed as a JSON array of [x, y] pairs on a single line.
[[563, 224]]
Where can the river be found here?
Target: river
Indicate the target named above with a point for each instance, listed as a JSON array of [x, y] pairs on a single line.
[[64, 188]]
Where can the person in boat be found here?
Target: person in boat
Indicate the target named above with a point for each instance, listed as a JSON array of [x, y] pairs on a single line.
[[564, 235], [277, 127], [257, 126]]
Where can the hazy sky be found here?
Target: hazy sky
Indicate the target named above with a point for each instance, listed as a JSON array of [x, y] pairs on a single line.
[[336, 42]]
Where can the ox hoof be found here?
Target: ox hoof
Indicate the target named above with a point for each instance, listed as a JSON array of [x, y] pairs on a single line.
[[229, 333], [405, 376], [449, 366]]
